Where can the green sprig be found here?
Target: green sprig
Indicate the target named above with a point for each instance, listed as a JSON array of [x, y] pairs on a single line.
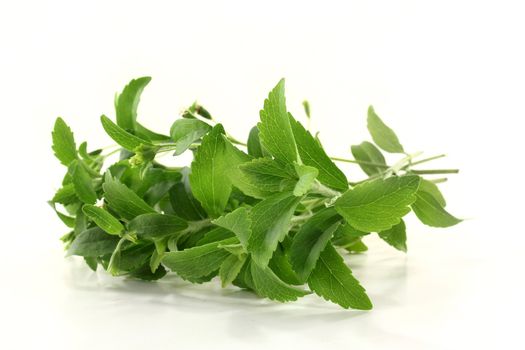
[[274, 220]]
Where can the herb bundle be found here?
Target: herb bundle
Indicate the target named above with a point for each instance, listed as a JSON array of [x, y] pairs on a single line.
[[272, 215]]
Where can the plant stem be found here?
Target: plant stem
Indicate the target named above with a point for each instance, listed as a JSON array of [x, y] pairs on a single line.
[[401, 164], [324, 191], [235, 141], [428, 159], [440, 180], [435, 171], [194, 226], [353, 161], [112, 152]]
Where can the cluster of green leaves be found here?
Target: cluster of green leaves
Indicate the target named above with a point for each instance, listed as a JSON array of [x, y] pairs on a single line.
[[271, 215]]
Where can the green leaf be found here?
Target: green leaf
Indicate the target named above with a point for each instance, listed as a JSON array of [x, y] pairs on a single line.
[[146, 134], [280, 265], [184, 204], [156, 226], [67, 220], [91, 262], [103, 219], [156, 258], [271, 221], [312, 154], [209, 178], [184, 132], [430, 212], [377, 205], [65, 195], [156, 184], [382, 135], [311, 240], [81, 221], [235, 248], [123, 200], [367, 152], [198, 261], [121, 136], [307, 176], [396, 236], [63, 142], [82, 183], [275, 132], [356, 247], [268, 285], [127, 102], [196, 109], [333, 280], [432, 189], [93, 242], [114, 266], [254, 144], [214, 235], [135, 255], [239, 222], [230, 268], [346, 236], [244, 190], [306, 106], [267, 176], [244, 278], [144, 273]]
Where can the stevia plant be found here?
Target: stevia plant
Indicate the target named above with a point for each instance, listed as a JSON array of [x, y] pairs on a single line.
[[272, 215]]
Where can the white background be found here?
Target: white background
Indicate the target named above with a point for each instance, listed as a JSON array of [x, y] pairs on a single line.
[[448, 76]]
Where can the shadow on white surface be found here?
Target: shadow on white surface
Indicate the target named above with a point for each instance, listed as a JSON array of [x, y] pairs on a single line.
[[244, 317]]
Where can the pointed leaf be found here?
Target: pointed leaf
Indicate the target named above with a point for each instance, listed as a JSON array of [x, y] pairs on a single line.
[[357, 247], [186, 131], [275, 132], [312, 154], [367, 152], [346, 236], [103, 219], [433, 190], [271, 221], [307, 176], [121, 136], [333, 280], [198, 261], [127, 102], [156, 226], [214, 235], [146, 134], [208, 179], [65, 195], [267, 176], [63, 142], [254, 144], [123, 200], [230, 268], [93, 242], [377, 205], [396, 236], [430, 212], [311, 240], [184, 204], [382, 135], [82, 183], [268, 285], [239, 222], [281, 266], [67, 220]]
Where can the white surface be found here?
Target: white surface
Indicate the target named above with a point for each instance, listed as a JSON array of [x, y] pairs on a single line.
[[447, 76]]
